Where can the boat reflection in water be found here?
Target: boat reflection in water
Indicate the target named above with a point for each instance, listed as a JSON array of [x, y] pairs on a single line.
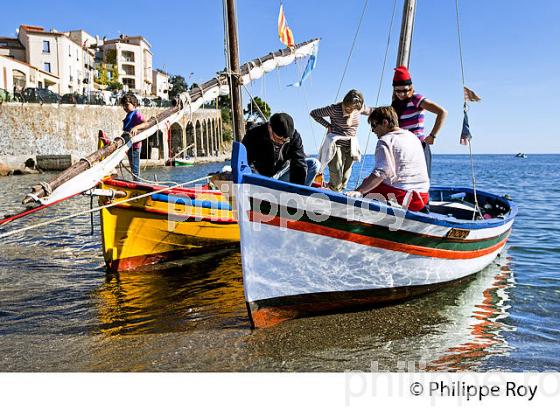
[[198, 310], [207, 292], [453, 329], [487, 298]]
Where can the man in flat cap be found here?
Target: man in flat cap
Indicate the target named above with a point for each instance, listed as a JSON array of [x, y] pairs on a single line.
[[275, 149]]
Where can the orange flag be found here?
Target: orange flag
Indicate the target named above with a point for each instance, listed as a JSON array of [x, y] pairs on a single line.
[[284, 32]]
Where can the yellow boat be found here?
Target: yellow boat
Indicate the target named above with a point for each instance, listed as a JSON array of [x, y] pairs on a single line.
[[171, 225]]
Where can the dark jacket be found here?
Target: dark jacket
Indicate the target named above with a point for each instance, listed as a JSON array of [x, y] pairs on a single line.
[[267, 161]]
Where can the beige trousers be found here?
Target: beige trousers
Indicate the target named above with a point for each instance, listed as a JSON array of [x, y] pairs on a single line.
[[340, 168]]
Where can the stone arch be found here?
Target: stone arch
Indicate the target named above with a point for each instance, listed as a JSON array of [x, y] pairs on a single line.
[[210, 137], [205, 138], [176, 140], [19, 80], [191, 139], [201, 148], [213, 128], [153, 141]]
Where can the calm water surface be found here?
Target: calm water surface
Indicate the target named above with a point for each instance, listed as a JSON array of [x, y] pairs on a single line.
[[59, 311]]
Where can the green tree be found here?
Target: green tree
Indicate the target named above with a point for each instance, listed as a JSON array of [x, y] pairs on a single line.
[[227, 124], [114, 83], [178, 86], [111, 56], [102, 77], [253, 114], [224, 101], [115, 73]]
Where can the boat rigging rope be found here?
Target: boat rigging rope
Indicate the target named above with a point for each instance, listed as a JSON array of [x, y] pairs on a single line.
[[345, 66], [306, 100], [363, 161], [254, 103], [465, 109], [127, 169], [351, 50], [99, 208]]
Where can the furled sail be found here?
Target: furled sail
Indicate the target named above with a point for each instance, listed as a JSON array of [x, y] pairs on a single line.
[[86, 174]]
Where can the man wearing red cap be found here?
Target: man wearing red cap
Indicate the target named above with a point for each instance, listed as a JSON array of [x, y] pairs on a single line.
[[410, 110]]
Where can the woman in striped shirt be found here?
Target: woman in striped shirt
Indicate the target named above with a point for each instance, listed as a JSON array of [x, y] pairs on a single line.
[[340, 147], [410, 110]]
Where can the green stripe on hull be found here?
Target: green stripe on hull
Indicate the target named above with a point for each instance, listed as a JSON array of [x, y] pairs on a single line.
[[381, 232]]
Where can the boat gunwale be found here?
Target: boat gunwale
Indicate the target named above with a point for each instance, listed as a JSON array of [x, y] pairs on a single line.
[[121, 183], [242, 174]]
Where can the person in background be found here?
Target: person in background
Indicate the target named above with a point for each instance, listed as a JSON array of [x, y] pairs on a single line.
[[340, 147], [410, 110], [275, 149], [132, 123], [400, 171]]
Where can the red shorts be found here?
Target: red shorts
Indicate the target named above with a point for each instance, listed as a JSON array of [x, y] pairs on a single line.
[[416, 200]]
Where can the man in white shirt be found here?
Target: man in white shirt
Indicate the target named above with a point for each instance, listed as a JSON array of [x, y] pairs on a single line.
[[400, 167]]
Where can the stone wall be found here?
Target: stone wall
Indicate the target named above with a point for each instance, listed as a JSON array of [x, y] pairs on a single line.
[[28, 130], [52, 129]]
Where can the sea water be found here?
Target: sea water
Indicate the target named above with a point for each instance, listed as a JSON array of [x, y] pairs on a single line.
[[60, 311]]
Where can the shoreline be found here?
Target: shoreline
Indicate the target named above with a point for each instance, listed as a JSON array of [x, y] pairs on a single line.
[[25, 165]]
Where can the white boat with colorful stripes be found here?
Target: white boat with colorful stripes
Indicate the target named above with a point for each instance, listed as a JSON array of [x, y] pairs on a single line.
[[306, 250]]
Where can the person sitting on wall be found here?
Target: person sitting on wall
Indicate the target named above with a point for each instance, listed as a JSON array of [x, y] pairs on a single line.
[[275, 149], [400, 171]]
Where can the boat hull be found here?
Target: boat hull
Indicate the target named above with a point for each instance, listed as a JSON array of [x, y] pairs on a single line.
[[177, 162], [161, 227], [306, 251]]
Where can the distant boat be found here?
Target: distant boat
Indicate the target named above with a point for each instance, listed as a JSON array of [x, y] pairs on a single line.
[[520, 155], [184, 162]]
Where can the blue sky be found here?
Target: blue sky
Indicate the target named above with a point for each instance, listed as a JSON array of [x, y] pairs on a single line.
[[510, 52]]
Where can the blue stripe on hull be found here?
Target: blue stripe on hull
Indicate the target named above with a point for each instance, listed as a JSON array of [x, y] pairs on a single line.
[[183, 200]]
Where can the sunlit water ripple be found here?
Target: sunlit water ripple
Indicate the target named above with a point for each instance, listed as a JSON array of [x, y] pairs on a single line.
[[59, 310]]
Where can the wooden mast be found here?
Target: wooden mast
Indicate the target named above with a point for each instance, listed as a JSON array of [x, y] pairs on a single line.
[[233, 54], [407, 28]]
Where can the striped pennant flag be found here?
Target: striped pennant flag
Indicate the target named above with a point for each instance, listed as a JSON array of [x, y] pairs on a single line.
[[284, 32]]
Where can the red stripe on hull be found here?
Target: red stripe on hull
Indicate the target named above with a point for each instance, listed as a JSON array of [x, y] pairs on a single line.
[[138, 262], [374, 242]]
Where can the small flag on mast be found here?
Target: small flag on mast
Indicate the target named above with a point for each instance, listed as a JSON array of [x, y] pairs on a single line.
[[470, 96], [284, 32], [465, 132]]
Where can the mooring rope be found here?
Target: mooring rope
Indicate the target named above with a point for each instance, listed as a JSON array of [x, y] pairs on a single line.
[[99, 208]]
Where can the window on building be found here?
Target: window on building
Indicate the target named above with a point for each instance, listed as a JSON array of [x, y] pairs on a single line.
[[47, 67], [69, 51], [46, 46]]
